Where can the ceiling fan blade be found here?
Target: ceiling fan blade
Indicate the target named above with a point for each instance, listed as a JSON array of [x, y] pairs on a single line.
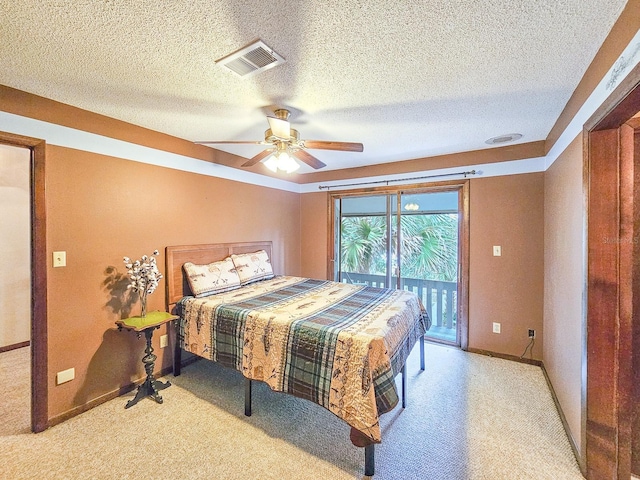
[[280, 128], [343, 146], [308, 159], [263, 154], [230, 142]]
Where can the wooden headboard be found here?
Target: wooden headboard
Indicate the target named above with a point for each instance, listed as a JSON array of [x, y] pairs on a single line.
[[177, 256]]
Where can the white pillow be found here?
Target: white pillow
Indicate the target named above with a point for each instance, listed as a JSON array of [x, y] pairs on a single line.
[[252, 267], [217, 277]]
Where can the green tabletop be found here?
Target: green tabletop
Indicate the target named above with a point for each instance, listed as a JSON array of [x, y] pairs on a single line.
[[153, 319]]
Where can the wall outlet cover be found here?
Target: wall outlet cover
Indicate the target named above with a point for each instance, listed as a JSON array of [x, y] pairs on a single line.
[[59, 259], [65, 376]]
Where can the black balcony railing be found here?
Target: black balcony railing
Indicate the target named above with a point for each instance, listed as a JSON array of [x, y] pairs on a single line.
[[439, 298]]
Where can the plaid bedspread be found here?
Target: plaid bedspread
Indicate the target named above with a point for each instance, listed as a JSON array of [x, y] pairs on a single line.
[[336, 344]]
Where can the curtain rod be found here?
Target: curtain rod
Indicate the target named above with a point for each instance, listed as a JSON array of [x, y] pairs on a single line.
[[470, 172]]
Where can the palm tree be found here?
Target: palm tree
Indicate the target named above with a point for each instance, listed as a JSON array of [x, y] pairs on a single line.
[[362, 243], [429, 245]]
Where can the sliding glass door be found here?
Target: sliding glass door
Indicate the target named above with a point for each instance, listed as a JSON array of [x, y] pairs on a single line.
[[429, 257], [406, 239], [365, 236]]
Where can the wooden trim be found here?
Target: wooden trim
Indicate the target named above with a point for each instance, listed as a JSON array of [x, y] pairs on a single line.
[[611, 190], [504, 356], [634, 123], [627, 273], [39, 354], [619, 107], [603, 295], [463, 281], [563, 419], [635, 334], [15, 346], [331, 247], [585, 289]]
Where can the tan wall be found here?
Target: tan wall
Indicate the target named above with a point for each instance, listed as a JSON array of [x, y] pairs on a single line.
[[15, 245], [506, 211], [313, 234], [102, 208], [564, 282]]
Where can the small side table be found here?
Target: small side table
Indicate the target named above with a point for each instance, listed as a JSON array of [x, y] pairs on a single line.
[[147, 325]]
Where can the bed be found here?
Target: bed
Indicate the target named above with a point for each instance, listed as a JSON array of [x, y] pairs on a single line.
[[336, 344]]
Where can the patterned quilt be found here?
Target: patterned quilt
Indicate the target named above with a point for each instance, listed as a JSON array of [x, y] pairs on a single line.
[[336, 344]]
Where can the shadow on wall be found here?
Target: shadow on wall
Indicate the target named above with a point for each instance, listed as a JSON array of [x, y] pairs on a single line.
[[116, 363], [121, 299]]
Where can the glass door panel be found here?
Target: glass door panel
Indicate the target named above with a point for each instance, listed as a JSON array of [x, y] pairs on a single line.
[[363, 240], [429, 257]]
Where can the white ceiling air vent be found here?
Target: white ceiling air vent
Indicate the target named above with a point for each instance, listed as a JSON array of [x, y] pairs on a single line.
[[254, 58], [509, 137]]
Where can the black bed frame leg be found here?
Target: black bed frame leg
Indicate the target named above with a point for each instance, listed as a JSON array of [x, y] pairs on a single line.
[[247, 397], [177, 359], [404, 385], [422, 352], [369, 460]]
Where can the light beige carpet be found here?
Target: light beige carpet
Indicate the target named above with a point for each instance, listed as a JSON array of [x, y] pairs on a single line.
[[468, 417]]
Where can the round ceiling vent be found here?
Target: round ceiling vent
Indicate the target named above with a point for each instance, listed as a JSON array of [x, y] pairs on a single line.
[[509, 137]]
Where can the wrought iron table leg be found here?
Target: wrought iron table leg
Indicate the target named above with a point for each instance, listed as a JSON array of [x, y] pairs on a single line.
[[150, 386], [422, 352]]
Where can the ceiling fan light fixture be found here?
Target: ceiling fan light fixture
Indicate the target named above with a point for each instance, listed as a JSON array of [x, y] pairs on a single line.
[[287, 163], [281, 161], [272, 163]]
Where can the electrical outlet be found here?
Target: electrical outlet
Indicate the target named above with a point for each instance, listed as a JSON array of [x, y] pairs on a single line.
[[497, 251], [59, 259], [532, 333], [164, 341], [496, 327]]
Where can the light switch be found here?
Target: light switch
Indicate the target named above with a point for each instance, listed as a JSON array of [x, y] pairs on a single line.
[[497, 250], [65, 376], [59, 259]]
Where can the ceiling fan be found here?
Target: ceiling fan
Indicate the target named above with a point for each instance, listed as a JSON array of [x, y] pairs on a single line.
[[284, 143]]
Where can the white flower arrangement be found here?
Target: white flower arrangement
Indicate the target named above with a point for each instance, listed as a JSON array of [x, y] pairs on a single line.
[[144, 276]]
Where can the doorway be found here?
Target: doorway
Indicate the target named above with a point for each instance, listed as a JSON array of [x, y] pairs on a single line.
[[611, 406], [15, 288], [410, 238], [38, 281]]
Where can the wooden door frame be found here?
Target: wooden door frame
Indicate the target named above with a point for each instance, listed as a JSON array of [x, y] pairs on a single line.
[[462, 186], [611, 186], [39, 358]]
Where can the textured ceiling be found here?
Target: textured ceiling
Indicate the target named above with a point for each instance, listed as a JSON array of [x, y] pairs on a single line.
[[407, 79]]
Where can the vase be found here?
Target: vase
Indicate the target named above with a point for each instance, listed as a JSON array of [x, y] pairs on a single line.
[[143, 304]]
